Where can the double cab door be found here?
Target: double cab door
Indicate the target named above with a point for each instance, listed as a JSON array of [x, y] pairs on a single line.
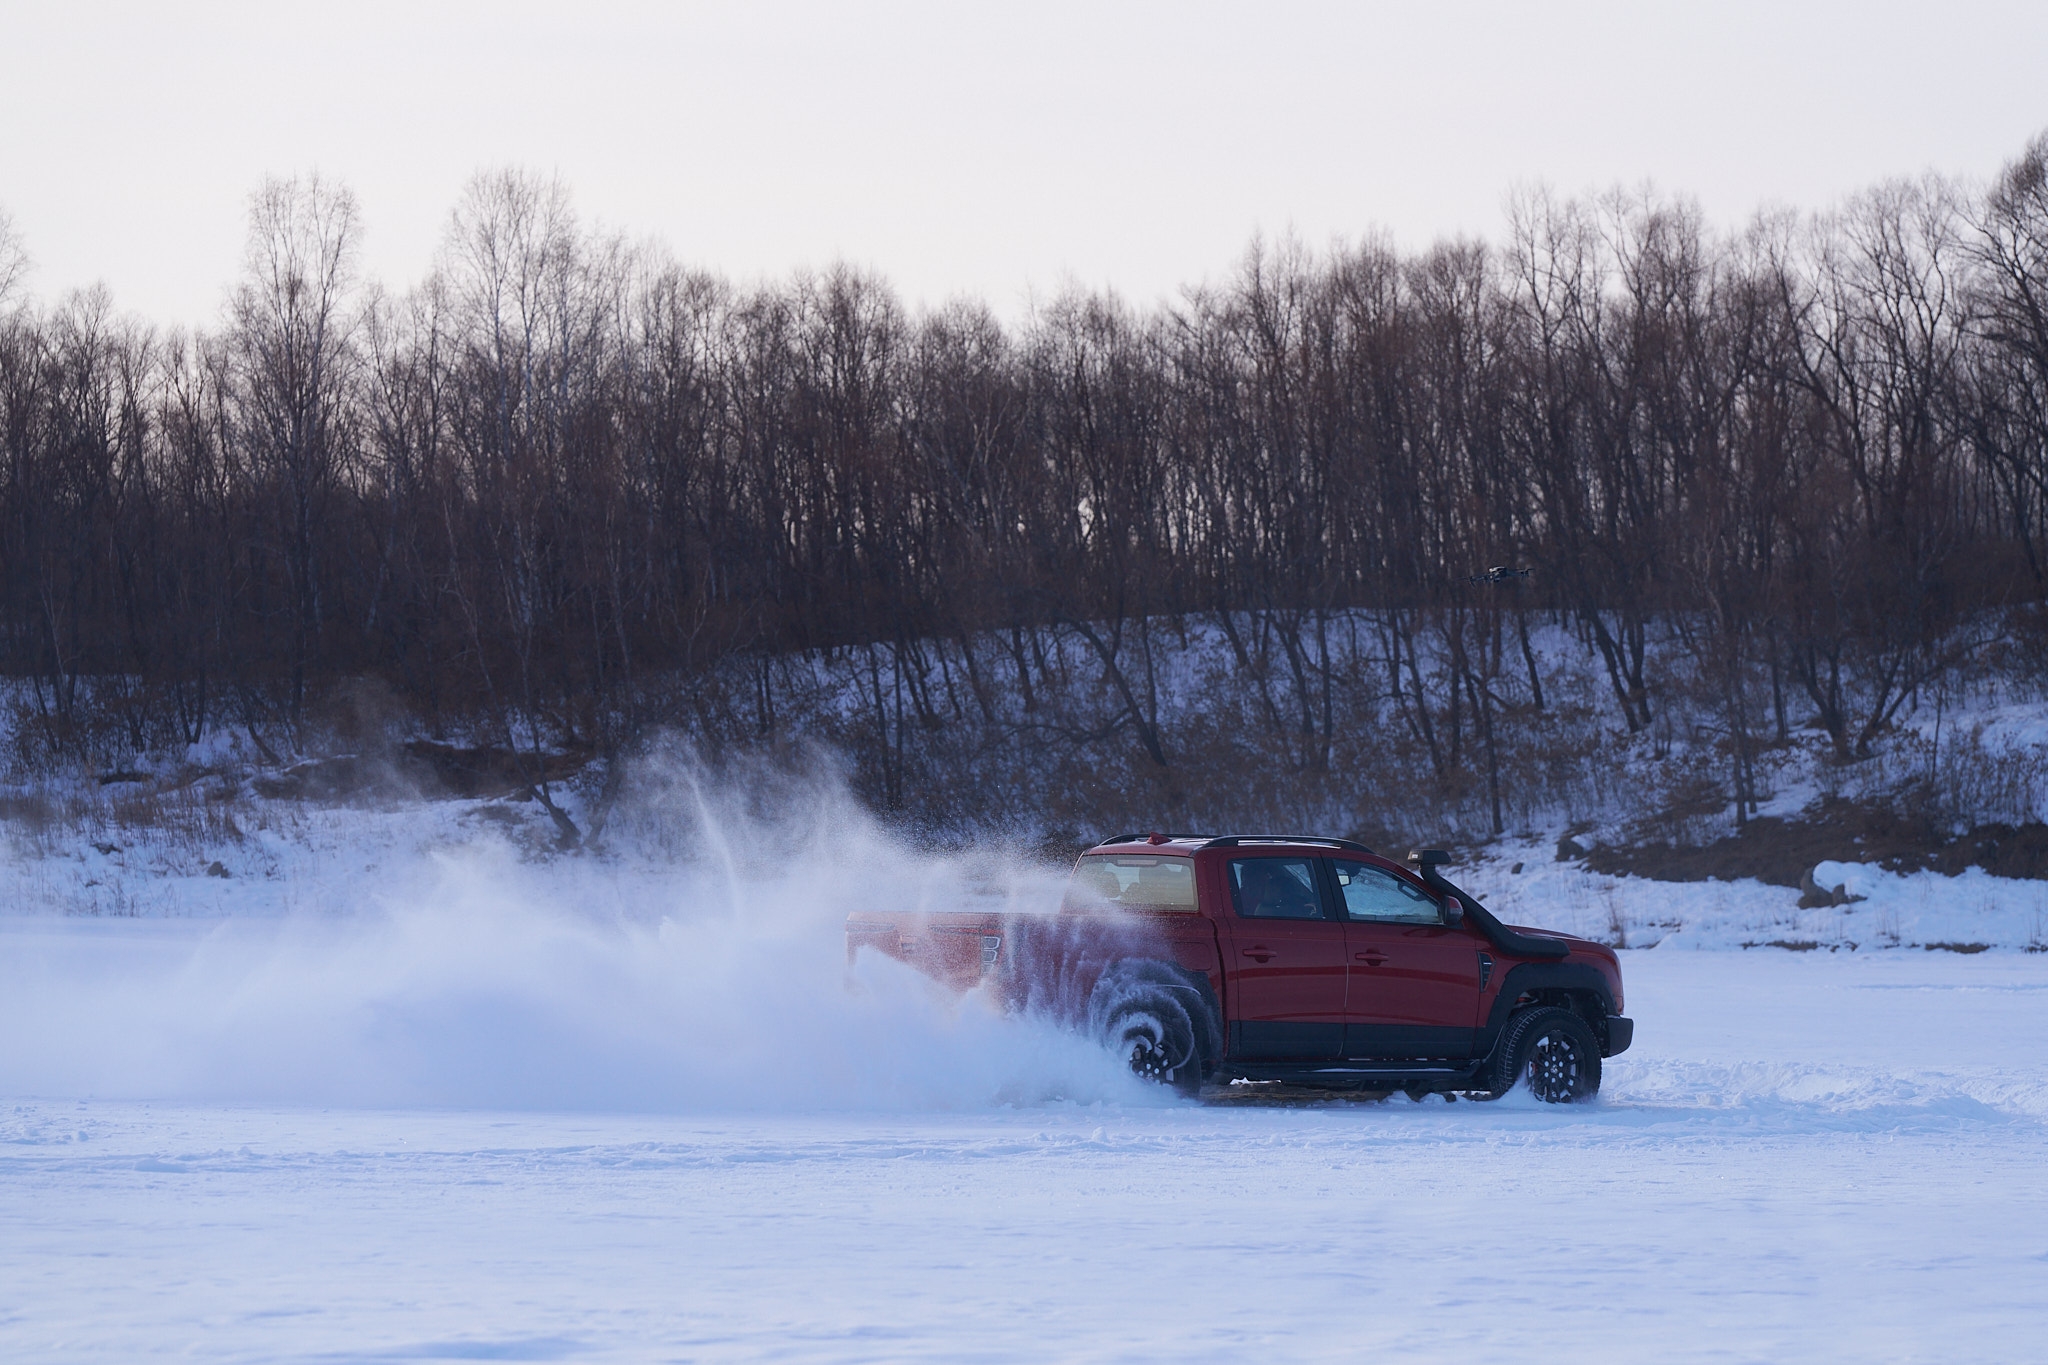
[[1412, 984], [1334, 958], [1288, 963]]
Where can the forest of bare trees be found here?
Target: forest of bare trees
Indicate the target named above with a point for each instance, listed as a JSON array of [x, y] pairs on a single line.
[[550, 492]]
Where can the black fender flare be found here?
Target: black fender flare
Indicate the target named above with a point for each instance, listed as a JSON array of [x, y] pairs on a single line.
[[1577, 977]]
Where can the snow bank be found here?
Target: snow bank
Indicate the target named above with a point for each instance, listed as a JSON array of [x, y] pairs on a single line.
[[1969, 912]]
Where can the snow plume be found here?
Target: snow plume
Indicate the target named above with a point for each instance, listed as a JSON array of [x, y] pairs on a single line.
[[699, 965]]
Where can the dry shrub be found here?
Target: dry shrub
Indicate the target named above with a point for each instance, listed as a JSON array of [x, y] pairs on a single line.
[[1974, 782]]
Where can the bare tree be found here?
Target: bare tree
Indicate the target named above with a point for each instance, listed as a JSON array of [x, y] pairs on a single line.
[[292, 327], [2007, 408], [567, 492], [14, 261]]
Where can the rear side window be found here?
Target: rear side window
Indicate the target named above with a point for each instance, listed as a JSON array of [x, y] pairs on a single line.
[[1275, 888], [1374, 893], [1148, 883]]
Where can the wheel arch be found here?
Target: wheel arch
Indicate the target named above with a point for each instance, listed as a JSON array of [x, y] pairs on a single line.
[[1127, 978]]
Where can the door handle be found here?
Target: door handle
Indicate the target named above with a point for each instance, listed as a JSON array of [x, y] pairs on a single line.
[[1259, 954], [1370, 959]]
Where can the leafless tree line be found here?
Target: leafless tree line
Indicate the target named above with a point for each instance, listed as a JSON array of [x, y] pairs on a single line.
[[565, 476]]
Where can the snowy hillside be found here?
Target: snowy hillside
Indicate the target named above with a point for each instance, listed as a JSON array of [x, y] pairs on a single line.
[[1631, 838]]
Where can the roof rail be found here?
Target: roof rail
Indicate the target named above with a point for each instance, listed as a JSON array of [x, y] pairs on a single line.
[[1238, 840]]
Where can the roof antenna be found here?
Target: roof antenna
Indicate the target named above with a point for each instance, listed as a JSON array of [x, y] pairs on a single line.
[[1155, 837]]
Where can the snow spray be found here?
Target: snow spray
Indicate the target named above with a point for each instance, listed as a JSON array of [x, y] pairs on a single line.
[[698, 965]]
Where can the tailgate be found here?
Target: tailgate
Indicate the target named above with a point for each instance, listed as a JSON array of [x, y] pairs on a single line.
[[957, 948]]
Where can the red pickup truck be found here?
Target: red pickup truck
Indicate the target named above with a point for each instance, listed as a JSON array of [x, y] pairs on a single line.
[[1279, 958]]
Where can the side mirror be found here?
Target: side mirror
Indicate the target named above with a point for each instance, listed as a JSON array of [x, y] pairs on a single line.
[[1454, 910]]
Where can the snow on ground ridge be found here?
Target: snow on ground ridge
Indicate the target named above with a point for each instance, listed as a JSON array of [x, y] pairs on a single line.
[[1915, 910]]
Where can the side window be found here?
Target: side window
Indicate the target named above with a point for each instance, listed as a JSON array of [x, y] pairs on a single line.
[[1377, 894], [1275, 888]]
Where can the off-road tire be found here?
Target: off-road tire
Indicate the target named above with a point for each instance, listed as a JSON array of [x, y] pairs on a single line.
[[1553, 1050], [1152, 1033], [1160, 1018]]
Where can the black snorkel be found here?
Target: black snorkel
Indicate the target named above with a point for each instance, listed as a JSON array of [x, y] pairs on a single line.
[[1426, 861]]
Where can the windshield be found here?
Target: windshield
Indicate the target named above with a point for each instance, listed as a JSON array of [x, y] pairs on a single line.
[[1140, 881]]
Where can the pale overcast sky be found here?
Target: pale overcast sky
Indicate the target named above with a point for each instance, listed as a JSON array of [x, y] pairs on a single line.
[[958, 148]]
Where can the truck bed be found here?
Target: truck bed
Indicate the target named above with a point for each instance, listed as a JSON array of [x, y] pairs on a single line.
[[1040, 963]]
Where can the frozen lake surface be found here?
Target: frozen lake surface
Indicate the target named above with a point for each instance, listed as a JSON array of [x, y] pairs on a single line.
[[1806, 1156]]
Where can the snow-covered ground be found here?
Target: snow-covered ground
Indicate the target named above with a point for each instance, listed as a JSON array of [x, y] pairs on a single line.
[[402, 1083], [1805, 1157]]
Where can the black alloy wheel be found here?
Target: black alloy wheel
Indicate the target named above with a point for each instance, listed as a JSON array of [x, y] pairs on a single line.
[[1554, 1051], [1156, 1040], [1148, 1059]]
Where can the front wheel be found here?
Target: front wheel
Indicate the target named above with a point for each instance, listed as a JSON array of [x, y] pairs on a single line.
[[1554, 1051]]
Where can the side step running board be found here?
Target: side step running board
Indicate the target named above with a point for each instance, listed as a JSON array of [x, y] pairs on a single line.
[[1329, 1075]]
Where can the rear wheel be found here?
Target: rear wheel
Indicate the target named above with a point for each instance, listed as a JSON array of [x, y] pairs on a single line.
[[1156, 1039], [1553, 1051]]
